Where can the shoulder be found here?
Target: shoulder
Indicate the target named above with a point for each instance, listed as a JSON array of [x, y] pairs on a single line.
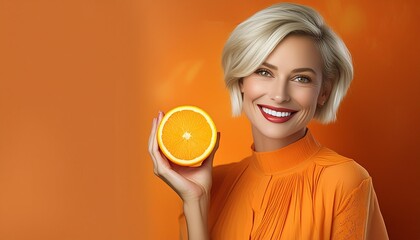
[[339, 172], [228, 172]]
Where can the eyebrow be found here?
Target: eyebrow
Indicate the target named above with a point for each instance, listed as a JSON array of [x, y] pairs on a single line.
[[296, 70], [269, 65]]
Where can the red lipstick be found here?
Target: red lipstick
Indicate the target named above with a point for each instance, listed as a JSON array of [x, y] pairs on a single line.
[[282, 114]]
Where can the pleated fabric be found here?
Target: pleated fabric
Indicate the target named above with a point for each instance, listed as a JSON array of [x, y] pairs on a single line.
[[301, 191]]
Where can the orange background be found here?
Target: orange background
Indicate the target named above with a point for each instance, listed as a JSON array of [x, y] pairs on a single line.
[[81, 80]]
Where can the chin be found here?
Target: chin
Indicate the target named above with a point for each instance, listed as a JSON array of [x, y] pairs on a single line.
[[275, 133]]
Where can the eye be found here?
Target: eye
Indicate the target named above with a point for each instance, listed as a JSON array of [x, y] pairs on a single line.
[[264, 72], [302, 79]]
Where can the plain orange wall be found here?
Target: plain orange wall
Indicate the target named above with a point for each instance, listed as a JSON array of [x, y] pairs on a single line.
[[81, 80]]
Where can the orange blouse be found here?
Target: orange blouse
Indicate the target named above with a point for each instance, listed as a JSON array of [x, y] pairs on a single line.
[[301, 191]]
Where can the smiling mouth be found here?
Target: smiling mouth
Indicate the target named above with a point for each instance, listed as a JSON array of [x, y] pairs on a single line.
[[276, 115]]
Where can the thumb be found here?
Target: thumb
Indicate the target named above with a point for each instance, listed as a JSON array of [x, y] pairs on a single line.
[[209, 160]]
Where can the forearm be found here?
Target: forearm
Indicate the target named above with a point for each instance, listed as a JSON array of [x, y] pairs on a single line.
[[196, 213]]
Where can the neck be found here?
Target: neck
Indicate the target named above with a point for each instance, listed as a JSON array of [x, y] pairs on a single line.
[[265, 144]]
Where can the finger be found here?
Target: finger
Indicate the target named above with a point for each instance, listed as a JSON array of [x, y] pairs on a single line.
[[151, 136], [209, 161], [153, 145], [217, 142], [161, 162]]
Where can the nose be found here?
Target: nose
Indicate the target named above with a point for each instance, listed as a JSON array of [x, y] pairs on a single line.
[[279, 92]]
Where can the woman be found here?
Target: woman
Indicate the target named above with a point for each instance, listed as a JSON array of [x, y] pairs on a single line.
[[283, 68]]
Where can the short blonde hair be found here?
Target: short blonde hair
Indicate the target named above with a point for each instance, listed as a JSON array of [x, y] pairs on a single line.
[[253, 40]]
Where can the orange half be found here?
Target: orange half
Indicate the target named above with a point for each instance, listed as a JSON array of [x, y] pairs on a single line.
[[187, 135]]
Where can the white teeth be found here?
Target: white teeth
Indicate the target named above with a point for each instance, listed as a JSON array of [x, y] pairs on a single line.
[[276, 114]]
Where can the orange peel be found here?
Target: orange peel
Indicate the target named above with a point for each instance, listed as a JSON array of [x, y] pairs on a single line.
[[187, 135]]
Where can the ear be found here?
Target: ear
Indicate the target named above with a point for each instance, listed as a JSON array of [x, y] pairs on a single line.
[[241, 85], [325, 92]]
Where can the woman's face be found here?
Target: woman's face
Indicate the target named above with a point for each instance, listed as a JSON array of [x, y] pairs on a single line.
[[281, 96]]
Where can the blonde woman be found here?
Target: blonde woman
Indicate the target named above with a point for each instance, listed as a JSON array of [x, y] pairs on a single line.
[[283, 67]]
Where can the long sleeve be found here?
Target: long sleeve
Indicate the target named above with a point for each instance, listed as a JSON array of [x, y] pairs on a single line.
[[359, 217], [302, 191]]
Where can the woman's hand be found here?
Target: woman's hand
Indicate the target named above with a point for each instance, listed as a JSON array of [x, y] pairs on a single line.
[[190, 183]]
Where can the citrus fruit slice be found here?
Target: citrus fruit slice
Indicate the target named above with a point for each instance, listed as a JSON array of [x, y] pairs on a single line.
[[186, 135]]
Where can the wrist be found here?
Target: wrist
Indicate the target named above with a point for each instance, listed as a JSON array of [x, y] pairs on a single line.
[[196, 213], [197, 205]]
